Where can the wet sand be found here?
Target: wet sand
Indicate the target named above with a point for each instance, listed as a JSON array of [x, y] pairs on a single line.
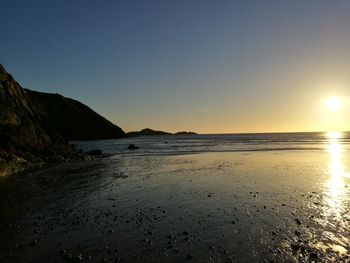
[[290, 206]]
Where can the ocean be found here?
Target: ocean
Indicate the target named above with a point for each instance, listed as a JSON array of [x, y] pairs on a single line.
[[187, 144]]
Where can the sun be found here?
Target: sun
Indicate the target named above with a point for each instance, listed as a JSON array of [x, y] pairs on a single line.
[[333, 103]]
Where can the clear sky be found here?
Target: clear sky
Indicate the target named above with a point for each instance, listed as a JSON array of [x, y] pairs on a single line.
[[206, 66]]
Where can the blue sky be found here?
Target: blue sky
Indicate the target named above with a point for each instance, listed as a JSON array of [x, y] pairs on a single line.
[[207, 66]]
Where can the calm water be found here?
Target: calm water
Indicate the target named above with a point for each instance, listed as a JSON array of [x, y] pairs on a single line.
[[203, 198], [220, 143]]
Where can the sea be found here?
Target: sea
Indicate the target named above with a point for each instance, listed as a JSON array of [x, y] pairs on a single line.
[[205, 143]]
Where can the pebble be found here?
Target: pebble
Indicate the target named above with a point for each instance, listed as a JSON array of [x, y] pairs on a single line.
[[295, 247], [313, 256], [297, 220]]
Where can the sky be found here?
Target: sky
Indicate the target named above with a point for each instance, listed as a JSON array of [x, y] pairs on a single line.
[[207, 66]]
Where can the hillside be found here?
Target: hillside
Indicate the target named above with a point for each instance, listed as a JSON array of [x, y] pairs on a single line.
[[25, 133], [35, 126], [74, 120]]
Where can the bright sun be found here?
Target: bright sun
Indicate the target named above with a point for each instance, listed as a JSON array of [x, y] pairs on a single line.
[[334, 103]]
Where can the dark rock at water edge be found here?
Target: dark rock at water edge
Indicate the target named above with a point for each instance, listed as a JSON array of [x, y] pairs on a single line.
[[133, 147]]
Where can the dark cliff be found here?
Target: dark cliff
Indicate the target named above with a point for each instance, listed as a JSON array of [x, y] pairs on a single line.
[[25, 132], [35, 126], [74, 120]]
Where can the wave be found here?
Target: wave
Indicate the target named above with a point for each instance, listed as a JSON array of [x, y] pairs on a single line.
[[166, 145]]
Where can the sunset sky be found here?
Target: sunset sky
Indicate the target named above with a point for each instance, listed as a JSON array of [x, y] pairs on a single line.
[[205, 66]]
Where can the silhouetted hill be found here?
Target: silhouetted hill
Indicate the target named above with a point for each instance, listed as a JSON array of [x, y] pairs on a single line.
[[148, 131], [25, 132], [185, 133], [74, 120]]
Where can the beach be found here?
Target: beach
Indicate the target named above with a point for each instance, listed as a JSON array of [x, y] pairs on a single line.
[[175, 131], [260, 206]]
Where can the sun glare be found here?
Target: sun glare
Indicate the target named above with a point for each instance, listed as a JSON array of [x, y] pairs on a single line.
[[334, 135], [333, 104]]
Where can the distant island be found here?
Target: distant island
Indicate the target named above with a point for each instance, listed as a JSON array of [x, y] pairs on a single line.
[[185, 133], [150, 132]]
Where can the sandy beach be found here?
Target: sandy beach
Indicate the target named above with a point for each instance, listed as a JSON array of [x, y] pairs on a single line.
[[287, 206]]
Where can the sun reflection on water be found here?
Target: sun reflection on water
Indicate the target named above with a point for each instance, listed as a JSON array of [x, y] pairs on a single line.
[[335, 184], [335, 198]]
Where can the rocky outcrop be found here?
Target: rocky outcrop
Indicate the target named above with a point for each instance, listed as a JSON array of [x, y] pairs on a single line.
[[26, 134], [72, 119], [133, 147], [23, 126]]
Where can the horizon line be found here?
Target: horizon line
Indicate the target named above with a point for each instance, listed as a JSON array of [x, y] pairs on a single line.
[[241, 133]]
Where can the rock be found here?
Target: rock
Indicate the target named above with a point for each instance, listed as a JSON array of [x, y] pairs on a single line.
[[295, 247], [298, 221], [133, 147], [26, 132], [313, 256]]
